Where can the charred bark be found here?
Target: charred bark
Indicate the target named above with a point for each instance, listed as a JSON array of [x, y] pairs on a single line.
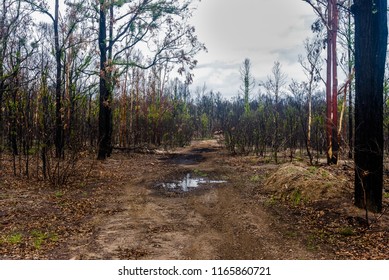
[[105, 113], [371, 33], [59, 135]]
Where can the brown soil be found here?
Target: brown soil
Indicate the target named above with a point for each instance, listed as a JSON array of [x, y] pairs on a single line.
[[123, 211]]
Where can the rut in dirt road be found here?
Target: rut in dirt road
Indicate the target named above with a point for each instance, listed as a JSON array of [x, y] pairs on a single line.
[[213, 221]]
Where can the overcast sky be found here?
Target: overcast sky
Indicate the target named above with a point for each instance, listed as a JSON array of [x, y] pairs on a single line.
[[262, 30]]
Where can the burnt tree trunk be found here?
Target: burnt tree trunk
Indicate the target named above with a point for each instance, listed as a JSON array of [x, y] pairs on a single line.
[[350, 87], [105, 113], [59, 135], [371, 33]]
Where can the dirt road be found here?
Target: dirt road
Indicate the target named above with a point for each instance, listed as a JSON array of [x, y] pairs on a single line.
[[197, 202], [221, 218]]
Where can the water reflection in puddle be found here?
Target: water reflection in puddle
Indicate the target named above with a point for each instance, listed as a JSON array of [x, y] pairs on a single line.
[[188, 183]]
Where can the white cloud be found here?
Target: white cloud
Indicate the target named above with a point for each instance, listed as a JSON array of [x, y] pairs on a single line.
[[262, 30]]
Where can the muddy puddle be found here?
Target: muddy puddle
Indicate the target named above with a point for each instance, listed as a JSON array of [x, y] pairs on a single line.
[[189, 183]]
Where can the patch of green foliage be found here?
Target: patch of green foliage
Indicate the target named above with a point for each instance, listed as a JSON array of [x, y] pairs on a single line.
[[346, 231], [296, 197], [40, 237], [14, 239], [255, 178], [322, 234], [291, 234], [311, 242], [271, 201], [200, 173], [299, 159], [312, 169], [58, 194], [325, 173]]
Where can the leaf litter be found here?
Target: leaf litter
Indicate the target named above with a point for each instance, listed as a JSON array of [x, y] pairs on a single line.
[[288, 211]]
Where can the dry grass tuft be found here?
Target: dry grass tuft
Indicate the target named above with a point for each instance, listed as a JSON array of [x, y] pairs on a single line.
[[301, 183]]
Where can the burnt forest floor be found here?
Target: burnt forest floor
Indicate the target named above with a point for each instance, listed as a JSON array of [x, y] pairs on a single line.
[[197, 202]]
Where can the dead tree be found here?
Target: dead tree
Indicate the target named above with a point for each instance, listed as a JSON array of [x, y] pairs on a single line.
[[371, 34]]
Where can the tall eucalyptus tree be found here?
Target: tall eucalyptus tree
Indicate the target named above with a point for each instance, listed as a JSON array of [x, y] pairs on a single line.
[[158, 27]]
